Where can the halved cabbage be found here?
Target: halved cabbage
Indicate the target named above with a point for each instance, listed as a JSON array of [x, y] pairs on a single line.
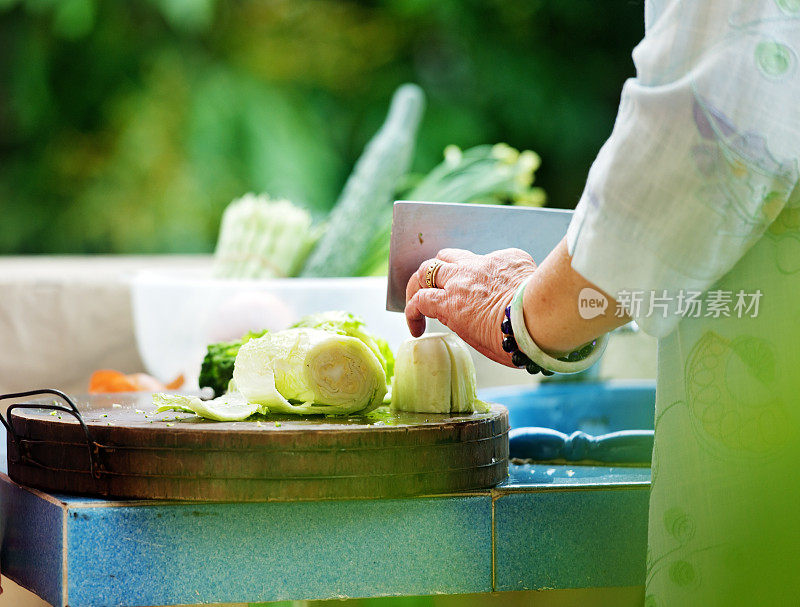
[[299, 371], [435, 374], [309, 371]]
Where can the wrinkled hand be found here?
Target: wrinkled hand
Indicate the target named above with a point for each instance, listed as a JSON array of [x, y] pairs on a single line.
[[473, 293]]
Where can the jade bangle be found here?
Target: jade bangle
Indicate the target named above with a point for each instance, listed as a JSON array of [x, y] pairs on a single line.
[[529, 348]]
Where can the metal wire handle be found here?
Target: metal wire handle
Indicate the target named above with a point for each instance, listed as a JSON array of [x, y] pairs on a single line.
[[71, 410]]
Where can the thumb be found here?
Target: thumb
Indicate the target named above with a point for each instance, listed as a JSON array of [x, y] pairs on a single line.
[[425, 302]]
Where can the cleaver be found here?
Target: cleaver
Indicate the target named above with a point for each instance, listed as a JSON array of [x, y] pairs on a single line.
[[421, 229]]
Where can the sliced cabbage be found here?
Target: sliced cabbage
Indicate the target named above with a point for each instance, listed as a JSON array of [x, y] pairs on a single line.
[[306, 370], [226, 408], [463, 382], [435, 374]]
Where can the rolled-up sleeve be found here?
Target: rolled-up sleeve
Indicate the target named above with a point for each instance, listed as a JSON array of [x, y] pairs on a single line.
[[703, 155]]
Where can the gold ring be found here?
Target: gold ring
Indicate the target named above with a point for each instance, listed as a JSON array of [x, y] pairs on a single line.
[[430, 274]]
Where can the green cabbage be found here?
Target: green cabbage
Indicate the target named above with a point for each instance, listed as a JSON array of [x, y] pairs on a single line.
[[435, 374], [300, 370], [305, 370]]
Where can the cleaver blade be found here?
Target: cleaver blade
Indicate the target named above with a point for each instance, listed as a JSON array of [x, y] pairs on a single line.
[[421, 229]]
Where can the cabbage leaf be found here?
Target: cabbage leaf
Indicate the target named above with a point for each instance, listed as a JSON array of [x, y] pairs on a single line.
[[226, 408]]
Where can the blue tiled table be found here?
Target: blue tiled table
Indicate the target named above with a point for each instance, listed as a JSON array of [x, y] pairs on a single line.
[[545, 527]]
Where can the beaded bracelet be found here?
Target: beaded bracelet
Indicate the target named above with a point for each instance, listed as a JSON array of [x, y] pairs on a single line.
[[525, 353]]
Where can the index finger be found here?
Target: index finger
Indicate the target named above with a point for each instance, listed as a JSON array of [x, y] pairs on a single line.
[[412, 286]]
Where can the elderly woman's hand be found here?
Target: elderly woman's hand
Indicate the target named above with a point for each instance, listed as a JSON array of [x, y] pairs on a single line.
[[473, 293]]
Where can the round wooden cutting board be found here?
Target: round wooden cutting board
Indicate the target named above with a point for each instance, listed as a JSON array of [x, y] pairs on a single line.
[[133, 452]]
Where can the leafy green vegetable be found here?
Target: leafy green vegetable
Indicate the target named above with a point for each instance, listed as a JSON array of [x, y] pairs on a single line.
[[263, 238], [305, 370], [345, 323], [216, 371], [217, 368], [486, 174], [364, 205], [435, 374]]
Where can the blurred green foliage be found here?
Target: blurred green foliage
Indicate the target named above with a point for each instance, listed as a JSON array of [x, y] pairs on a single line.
[[127, 127]]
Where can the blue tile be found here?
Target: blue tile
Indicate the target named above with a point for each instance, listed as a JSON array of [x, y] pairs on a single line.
[[187, 553], [570, 539], [32, 540]]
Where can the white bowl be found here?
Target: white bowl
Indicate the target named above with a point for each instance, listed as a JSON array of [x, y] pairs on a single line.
[[177, 313]]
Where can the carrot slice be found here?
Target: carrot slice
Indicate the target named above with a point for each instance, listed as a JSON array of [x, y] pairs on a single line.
[[176, 383], [108, 380]]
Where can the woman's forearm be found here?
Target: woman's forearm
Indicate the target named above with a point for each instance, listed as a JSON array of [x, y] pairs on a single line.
[[551, 303]]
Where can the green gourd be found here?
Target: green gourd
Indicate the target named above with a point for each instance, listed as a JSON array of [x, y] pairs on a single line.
[[364, 205]]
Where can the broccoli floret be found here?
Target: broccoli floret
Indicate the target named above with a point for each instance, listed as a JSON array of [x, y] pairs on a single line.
[[217, 368]]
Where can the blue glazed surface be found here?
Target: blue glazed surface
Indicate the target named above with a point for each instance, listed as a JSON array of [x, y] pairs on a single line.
[[570, 539], [533, 477], [541, 444], [209, 553], [31, 532], [594, 408]]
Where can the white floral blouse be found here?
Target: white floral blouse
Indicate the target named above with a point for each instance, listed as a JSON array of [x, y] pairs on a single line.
[[695, 198]]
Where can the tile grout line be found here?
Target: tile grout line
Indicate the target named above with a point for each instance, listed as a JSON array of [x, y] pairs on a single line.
[[64, 558], [569, 488], [494, 557], [125, 503]]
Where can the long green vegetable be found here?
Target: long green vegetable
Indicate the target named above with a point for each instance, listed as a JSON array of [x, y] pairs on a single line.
[[365, 203]]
